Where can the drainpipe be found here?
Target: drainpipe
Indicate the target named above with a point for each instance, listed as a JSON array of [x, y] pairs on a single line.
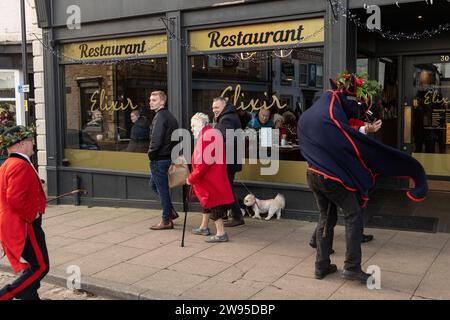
[[24, 57]]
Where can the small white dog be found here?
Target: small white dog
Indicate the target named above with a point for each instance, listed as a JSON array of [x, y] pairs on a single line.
[[272, 206]]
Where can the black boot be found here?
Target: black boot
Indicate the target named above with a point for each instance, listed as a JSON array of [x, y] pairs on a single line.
[[366, 238], [235, 223], [322, 274], [354, 275]]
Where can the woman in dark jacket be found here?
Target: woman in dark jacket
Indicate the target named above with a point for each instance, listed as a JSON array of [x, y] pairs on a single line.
[[139, 135]]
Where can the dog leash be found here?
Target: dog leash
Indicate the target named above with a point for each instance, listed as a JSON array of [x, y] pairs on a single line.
[[256, 202]]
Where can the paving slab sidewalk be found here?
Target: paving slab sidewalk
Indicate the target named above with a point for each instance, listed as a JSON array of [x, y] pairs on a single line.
[[120, 257]]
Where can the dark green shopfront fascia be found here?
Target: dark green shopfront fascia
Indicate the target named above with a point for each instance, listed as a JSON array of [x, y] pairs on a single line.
[[98, 77]]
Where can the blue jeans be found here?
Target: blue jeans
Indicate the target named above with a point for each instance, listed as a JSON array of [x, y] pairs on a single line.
[[159, 183]]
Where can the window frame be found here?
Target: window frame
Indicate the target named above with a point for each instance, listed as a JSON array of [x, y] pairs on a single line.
[[18, 97]]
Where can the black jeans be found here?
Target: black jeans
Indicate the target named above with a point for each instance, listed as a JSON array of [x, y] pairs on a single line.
[[329, 196], [26, 286], [236, 212], [313, 237]]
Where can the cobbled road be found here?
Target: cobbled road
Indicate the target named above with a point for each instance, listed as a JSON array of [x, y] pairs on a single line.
[[53, 292]]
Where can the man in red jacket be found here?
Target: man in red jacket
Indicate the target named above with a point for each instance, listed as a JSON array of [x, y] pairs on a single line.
[[22, 203]]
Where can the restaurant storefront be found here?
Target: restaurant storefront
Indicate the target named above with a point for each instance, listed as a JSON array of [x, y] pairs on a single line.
[[266, 57]]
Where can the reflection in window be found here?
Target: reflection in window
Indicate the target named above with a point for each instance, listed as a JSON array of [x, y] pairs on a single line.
[[7, 85], [431, 107], [7, 115], [386, 104], [362, 65], [253, 81], [303, 74], [107, 104], [7, 99]]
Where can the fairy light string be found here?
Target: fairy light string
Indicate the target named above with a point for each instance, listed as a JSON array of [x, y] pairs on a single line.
[[339, 10]]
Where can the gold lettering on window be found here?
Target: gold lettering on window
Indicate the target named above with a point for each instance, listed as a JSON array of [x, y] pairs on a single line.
[[253, 105], [99, 101], [433, 97]]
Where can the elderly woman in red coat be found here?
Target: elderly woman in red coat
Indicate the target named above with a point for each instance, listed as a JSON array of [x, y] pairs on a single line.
[[209, 177]]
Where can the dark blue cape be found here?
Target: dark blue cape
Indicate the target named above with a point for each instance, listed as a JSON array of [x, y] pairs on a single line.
[[334, 148]]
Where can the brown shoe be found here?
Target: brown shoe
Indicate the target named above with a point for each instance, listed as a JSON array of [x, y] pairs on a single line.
[[174, 215], [162, 226]]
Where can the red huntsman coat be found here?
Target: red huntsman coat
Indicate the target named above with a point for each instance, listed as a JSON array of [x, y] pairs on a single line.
[[21, 198]]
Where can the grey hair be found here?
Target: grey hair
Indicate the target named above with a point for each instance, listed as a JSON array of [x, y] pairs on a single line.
[[278, 117], [203, 118]]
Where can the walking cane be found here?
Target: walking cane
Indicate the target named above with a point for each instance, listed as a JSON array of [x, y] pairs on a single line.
[[186, 196]]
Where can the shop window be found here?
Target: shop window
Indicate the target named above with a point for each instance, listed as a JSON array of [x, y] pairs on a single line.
[[386, 104], [107, 112], [278, 83], [362, 65], [287, 73], [312, 75], [431, 108], [9, 99], [7, 85], [303, 74], [319, 75]]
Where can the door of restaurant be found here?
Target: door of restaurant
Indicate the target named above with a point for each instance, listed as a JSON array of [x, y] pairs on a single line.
[[426, 114]]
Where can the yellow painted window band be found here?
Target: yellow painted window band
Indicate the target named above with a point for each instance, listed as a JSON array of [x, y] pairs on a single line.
[[293, 172]]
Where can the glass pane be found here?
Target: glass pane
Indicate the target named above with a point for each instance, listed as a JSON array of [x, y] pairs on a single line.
[[107, 110], [303, 74], [287, 73], [319, 76], [7, 115], [386, 108], [431, 108], [7, 85], [362, 65], [269, 90]]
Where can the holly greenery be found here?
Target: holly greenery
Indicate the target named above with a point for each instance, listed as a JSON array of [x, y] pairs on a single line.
[[365, 89], [12, 138]]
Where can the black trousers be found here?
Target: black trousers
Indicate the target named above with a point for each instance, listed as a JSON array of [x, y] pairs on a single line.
[[329, 196], [26, 286], [236, 212], [313, 237]]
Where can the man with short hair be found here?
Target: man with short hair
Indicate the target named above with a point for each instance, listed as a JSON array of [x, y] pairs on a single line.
[[22, 204], [159, 154], [262, 120], [226, 117]]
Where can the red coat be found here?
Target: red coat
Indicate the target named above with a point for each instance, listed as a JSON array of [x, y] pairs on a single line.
[[209, 177], [21, 199]]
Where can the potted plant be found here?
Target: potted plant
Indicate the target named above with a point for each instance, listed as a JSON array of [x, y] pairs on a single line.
[[7, 120]]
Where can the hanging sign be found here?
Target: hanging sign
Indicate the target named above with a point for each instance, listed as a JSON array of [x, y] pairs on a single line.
[[23, 88], [275, 34]]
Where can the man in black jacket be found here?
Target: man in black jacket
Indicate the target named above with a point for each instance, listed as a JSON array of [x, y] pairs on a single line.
[[226, 117], [159, 154]]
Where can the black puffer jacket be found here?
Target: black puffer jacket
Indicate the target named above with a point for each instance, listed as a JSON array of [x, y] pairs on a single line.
[[139, 135], [161, 129], [229, 119]]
